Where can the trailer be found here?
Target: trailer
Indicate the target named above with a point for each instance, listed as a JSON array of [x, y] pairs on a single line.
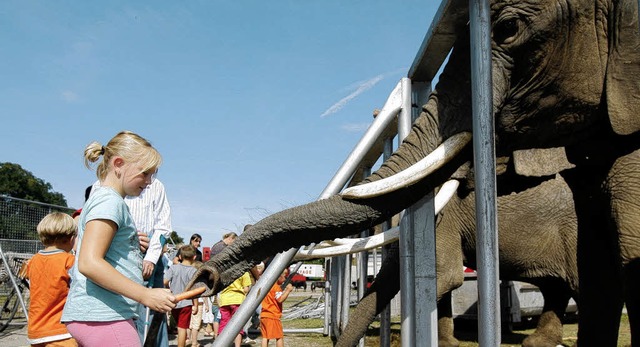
[[520, 301], [311, 271]]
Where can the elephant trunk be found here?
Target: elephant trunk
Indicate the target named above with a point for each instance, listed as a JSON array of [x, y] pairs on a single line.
[[445, 114]]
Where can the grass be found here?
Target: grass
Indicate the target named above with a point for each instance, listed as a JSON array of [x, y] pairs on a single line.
[[466, 332]]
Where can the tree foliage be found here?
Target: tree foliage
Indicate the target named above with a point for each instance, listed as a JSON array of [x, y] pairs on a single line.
[[175, 238], [20, 183]]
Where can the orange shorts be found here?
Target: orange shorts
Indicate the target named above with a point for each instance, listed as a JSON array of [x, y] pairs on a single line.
[[271, 328], [70, 342]]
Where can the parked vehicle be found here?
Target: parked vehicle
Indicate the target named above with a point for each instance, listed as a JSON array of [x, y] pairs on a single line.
[[299, 281]]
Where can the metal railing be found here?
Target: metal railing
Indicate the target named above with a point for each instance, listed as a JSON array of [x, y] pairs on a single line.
[[451, 17]]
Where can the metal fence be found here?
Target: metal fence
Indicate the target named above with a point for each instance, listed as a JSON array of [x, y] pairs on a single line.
[[18, 221], [18, 242]]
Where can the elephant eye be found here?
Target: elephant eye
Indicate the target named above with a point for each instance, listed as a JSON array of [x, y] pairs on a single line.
[[504, 31]]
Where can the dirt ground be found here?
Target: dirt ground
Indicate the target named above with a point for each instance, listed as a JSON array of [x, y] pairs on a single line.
[[466, 332]]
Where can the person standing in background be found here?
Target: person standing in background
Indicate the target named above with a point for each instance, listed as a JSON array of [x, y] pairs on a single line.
[[194, 241], [230, 299], [270, 317], [227, 239], [176, 279], [48, 274], [151, 214]]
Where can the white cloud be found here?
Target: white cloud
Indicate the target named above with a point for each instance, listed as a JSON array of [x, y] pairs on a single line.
[[361, 88], [69, 96], [355, 127]]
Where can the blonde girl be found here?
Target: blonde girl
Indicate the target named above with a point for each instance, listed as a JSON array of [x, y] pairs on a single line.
[[106, 280]]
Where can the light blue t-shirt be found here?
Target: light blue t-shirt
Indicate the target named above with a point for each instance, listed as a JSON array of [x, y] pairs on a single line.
[[87, 301]]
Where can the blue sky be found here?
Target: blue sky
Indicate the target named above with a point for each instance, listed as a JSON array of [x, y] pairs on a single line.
[[254, 105]]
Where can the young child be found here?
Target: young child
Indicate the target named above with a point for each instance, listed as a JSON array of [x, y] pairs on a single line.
[[230, 299], [176, 278], [270, 324], [48, 273], [106, 279], [196, 317]]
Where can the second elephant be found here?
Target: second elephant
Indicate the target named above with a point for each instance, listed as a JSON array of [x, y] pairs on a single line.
[[538, 240]]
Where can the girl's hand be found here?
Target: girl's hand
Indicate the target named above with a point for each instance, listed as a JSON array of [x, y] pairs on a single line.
[[159, 299]]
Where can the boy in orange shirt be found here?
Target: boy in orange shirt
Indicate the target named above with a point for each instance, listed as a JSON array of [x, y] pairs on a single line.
[[270, 324], [48, 273]]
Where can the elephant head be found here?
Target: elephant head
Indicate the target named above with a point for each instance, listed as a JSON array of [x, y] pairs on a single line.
[[565, 73]]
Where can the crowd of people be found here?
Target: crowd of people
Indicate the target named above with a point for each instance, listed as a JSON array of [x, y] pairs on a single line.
[[102, 279]]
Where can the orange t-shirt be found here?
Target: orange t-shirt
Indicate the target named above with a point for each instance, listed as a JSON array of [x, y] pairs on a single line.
[[271, 308], [49, 279]]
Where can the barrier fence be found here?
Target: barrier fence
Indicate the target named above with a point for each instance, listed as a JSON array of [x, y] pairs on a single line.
[[18, 221]]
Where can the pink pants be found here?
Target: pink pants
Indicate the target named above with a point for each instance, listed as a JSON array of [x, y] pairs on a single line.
[[226, 312], [120, 333]]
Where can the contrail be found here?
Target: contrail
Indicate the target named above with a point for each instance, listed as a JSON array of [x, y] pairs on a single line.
[[364, 86]]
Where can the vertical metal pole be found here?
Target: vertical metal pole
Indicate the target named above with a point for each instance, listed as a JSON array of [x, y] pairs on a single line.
[[485, 174], [337, 264], [407, 268], [346, 292], [385, 314], [327, 297], [424, 244], [363, 261]]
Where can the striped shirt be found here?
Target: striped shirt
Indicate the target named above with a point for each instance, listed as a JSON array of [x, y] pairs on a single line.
[[151, 214]]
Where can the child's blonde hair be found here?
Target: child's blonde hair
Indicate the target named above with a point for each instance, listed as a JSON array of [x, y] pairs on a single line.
[[55, 226], [130, 146]]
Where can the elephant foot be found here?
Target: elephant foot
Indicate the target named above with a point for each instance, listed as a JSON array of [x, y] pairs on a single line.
[[548, 332], [448, 341], [445, 333]]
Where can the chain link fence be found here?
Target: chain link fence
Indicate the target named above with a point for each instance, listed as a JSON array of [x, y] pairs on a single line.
[[18, 242], [18, 221]]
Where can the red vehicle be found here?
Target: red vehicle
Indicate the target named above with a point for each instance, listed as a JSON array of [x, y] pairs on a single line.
[[299, 281]]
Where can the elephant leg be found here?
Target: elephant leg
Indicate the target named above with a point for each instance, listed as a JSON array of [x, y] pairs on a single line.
[[632, 301], [385, 286], [623, 184], [549, 329], [445, 323], [599, 271]]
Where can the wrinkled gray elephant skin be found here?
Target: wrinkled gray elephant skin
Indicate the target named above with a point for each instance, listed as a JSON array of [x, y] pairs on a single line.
[[537, 238], [565, 73]]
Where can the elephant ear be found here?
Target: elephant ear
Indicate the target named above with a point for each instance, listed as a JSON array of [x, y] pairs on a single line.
[[623, 68], [540, 162]]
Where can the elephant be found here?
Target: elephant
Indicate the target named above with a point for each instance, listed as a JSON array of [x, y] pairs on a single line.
[[537, 236], [565, 74]]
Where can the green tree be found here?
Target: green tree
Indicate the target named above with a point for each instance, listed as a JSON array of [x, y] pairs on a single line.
[[20, 183], [175, 238]]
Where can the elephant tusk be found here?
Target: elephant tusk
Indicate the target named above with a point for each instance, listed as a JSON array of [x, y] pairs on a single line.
[[342, 246], [358, 245], [441, 155], [445, 194]]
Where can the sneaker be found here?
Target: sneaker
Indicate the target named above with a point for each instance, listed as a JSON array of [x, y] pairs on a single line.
[[248, 341]]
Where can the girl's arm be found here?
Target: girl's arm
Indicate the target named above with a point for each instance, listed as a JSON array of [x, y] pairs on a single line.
[[97, 239], [285, 293]]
